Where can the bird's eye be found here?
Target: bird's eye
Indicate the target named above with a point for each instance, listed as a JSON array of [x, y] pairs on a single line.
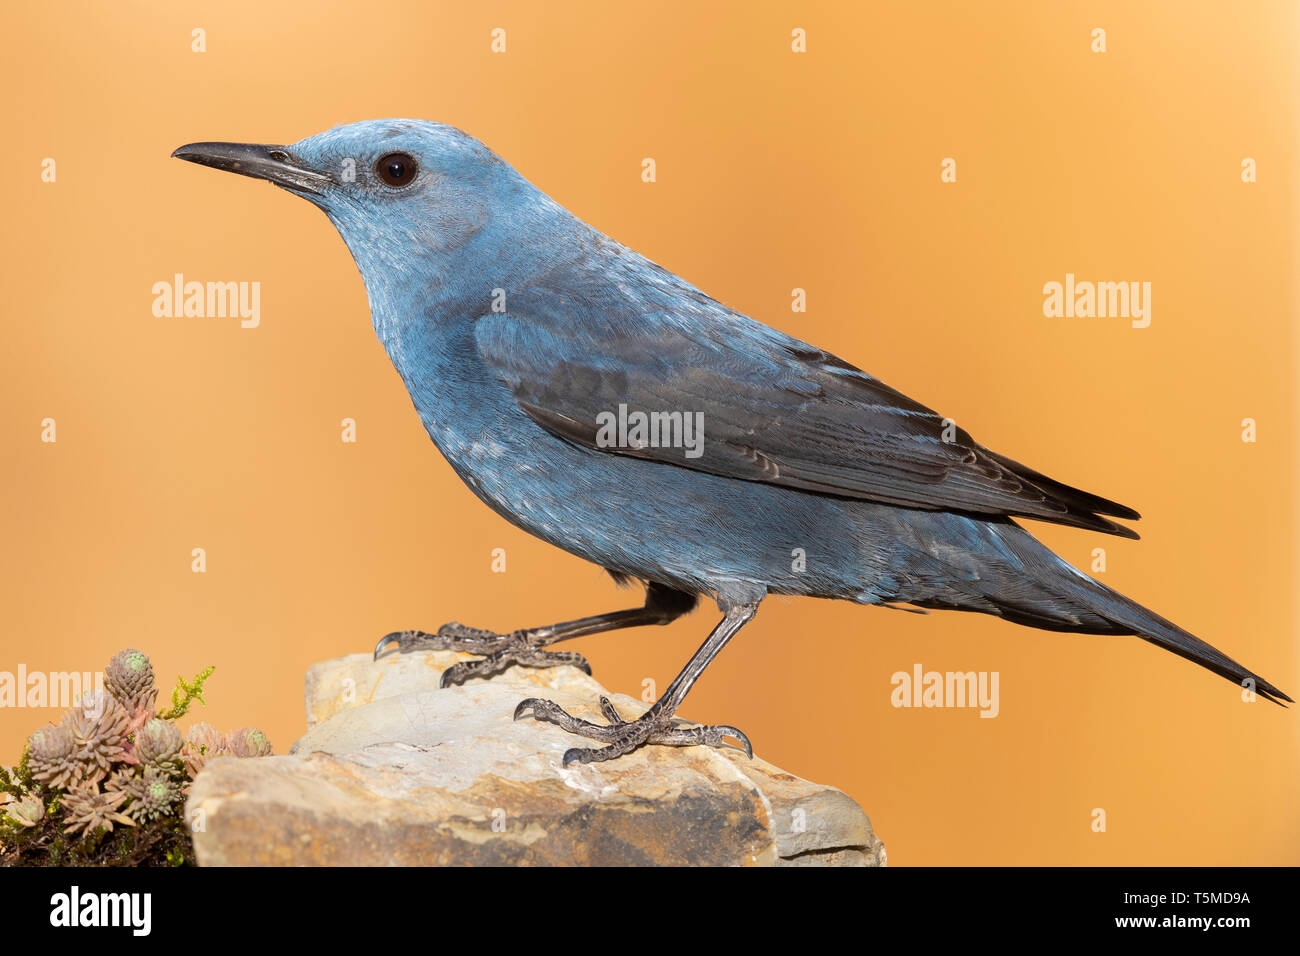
[[396, 169]]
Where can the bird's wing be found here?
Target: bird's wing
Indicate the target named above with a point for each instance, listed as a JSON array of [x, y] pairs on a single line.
[[773, 409]]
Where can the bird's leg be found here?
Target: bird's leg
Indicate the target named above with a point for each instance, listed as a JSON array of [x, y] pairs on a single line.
[[655, 726], [499, 651]]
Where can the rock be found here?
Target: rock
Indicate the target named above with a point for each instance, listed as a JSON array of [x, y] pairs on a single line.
[[395, 770]]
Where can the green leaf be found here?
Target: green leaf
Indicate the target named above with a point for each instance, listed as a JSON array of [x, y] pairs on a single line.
[[186, 693], [20, 782]]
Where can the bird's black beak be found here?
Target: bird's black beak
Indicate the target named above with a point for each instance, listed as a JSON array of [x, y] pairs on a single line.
[[275, 164]]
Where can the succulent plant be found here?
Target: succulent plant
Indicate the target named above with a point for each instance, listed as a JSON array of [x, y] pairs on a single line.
[[87, 808], [100, 727], [154, 794], [52, 756], [26, 812], [246, 742], [158, 744], [202, 743], [129, 678], [121, 780], [114, 759]]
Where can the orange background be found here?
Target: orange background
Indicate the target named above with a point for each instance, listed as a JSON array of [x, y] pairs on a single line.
[[775, 170]]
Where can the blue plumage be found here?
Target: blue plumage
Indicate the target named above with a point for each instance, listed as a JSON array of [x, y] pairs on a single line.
[[516, 326]]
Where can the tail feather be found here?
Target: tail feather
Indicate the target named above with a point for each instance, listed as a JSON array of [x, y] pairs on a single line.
[[1019, 579], [1152, 627]]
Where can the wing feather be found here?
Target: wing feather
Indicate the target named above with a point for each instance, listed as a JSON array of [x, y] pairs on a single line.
[[774, 409]]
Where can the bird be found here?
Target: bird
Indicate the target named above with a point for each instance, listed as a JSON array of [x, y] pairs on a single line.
[[602, 403]]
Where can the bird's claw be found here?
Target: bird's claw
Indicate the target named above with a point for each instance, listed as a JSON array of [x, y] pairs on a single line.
[[623, 736], [497, 651], [528, 703], [384, 642], [607, 709], [450, 637], [715, 736]]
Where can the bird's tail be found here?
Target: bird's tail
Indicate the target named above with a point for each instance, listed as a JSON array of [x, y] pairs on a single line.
[[1028, 584], [1136, 619]]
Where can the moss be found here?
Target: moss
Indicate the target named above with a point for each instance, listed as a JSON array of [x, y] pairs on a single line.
[[164, 842], [20, 781]]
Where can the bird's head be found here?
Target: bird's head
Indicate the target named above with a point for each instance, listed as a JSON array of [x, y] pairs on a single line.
[[393, 188]]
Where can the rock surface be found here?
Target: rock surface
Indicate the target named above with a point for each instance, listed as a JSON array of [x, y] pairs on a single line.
[[395, 770]]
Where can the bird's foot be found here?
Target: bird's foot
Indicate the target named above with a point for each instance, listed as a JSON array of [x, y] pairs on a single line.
[[497, 651], [623, 736]]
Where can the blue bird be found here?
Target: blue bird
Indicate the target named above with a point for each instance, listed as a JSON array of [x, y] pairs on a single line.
[[607, 406]]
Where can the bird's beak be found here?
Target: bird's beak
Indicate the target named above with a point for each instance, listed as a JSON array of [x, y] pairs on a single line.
[[275, 164]]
